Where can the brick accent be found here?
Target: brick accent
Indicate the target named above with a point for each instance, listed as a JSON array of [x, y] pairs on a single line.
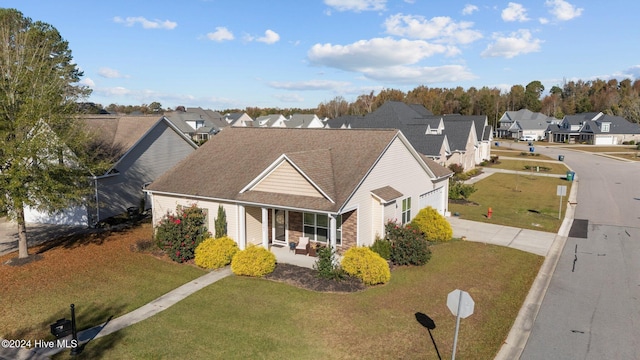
[[295, 225], [349, 231]]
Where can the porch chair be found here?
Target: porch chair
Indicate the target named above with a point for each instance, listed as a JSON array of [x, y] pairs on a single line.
[[301, 247]]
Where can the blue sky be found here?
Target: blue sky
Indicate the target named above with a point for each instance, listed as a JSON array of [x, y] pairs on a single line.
[[222, 54]]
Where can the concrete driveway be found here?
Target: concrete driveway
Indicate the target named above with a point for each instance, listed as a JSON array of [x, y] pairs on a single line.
[[36, 234]]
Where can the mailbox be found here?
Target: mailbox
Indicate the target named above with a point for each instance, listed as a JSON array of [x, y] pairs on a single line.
[[61, 328]]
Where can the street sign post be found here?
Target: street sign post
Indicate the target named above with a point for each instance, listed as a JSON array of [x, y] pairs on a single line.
[[562, 191], [461, 305]]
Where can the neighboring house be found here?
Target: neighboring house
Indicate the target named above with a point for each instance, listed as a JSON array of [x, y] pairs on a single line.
[[524, 123], [594, 128], [142, 148], [337, 187], [484, 134], [238, 119], [304, 121], [275, 120], [200, 125], [467, 145]]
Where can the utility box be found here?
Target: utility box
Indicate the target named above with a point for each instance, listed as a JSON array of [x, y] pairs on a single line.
[[61, 328]]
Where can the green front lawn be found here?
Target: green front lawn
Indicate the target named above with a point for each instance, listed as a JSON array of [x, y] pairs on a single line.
[[522, 200], [522, 164], [242, 318]]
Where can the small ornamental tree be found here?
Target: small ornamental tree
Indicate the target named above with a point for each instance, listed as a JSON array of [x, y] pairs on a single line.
[[179, 235], [433, 225], [221, 223]]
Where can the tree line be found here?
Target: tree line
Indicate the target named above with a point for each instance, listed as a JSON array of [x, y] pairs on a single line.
[[612, 97]]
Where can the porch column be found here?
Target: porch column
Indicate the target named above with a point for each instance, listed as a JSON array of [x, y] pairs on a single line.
[[332, 230], [242, 227], [265, 228]]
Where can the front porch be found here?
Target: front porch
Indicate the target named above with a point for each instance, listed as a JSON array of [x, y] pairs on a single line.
[[286, 256], [275, 228]]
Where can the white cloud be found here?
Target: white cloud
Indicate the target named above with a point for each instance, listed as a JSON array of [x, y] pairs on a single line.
[[357, 5], [88, 82], [441, 29], [514, 12], [563, 10], [543, 21], [421, 75], [518, 43], [289, 98], [110, 73], [269, 37], [374, 53], [633, 72], [146, 24], [221, 34], [309, 85], [469, 9]]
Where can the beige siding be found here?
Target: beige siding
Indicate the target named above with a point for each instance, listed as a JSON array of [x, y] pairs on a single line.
[[399, 169], [377, 227], [254, 225], [285, 179], [167, 204]]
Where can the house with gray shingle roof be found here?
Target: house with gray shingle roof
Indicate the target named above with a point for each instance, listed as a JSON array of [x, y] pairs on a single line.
[[304, 121], [238, 119], [138, 149], [335, 186], [467, 145], [273, 120], [524, 122], [199, 124], [594, 128]]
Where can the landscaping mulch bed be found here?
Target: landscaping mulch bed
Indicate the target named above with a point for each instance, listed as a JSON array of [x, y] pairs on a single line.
[[308, 279]]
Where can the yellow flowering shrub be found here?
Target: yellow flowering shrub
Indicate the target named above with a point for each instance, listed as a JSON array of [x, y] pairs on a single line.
[[367, 265], [433, 225], [253, 261], [215, 253]]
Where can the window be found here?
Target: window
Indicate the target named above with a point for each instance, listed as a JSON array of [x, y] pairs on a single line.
[[406, 210], [605, 126], [316, 227]]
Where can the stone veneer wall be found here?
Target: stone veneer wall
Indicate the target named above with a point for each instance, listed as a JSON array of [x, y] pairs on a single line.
[[349, 231], [295, 226]]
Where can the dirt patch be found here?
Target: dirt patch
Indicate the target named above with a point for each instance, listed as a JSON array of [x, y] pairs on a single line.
[[308, 279]]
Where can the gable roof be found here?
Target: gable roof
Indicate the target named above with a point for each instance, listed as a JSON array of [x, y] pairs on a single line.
[[333, 160], [119, 134], [458, 133]]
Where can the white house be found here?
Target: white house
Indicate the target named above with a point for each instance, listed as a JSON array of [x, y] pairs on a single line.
[[335, 186]]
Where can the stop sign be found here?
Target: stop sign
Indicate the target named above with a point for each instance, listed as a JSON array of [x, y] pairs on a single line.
[[458, 299]]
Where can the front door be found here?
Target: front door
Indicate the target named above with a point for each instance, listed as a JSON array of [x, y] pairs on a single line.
[[280, 227]]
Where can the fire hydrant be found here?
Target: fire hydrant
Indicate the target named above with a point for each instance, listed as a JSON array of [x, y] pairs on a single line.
[[489, 213]]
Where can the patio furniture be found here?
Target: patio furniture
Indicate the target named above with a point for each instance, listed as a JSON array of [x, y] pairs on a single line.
[[301, 248]]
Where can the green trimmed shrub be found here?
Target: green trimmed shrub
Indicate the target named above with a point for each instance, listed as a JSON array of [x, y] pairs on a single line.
[[366, 265], [215, 253], [221, 223], [327, 266], [433, 225], [178, 235], [253, 261], [408, 244], [382, 247]]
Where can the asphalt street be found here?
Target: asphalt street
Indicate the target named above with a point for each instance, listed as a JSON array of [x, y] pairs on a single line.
[[592, 306]]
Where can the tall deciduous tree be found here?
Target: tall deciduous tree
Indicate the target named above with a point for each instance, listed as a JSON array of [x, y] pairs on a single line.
[[39, 131]]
